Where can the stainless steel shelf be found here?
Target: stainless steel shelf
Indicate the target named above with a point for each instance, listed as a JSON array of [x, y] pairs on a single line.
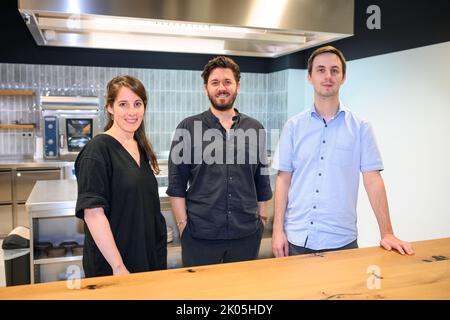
[[54, 213], [58, 260]]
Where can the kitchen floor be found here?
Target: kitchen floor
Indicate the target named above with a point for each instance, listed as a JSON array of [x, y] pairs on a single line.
[[2, 267]]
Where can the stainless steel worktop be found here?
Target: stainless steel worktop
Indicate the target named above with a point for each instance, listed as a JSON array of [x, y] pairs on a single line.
[[53, 194], [42, 163], [30, 163], [67, 166], [59, 194]]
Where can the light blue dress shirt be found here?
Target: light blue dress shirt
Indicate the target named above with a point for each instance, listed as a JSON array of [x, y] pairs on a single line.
[[325, 159]]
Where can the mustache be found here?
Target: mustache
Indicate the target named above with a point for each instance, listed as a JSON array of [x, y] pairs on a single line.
[[222, 107]]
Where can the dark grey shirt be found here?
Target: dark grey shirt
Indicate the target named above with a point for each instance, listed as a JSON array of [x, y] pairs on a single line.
[[222, 178]]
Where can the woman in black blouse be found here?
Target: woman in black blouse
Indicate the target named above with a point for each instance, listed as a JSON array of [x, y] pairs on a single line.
[[118, 192]]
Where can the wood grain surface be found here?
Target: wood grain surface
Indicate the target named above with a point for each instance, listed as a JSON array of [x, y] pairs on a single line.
[[16, 93], [17, 126], [367, 273]]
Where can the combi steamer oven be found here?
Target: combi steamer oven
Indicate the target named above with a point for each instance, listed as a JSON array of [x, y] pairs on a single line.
[[68, 123]]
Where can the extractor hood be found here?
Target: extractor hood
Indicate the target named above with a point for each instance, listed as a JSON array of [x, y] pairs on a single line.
[[259, 28]]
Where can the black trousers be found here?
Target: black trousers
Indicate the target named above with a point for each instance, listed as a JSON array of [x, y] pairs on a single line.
[[197, 252], [297, 250]]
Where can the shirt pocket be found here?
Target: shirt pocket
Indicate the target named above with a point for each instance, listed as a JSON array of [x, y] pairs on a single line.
[[342, 155]]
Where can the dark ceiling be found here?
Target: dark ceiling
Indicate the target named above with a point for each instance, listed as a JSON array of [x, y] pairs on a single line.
[[405, 24]]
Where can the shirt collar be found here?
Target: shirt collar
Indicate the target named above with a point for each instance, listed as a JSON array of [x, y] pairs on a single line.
[[313, 111], [210, 116]]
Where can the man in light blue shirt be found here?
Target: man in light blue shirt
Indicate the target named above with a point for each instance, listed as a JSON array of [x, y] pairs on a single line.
[[319, 157]]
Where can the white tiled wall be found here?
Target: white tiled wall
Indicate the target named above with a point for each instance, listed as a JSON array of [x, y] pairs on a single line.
[[172, 96]]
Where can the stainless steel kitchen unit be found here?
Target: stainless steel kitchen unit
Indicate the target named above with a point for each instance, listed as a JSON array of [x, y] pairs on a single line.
[[17, 179], [68, 124], [6, 216], [51, 209], [24, 181]]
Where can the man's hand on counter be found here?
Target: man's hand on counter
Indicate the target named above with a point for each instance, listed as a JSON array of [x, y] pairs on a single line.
[[389, 242]]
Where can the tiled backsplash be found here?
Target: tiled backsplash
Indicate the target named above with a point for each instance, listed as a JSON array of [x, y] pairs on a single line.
[[172, 96]]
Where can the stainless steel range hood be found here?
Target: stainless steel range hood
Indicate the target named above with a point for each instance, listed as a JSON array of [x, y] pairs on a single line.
[[260, 28]]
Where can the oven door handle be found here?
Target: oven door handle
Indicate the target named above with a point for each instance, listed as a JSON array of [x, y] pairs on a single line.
[[61, 141]]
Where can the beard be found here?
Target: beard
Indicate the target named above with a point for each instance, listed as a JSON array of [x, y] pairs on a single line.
[[222, 106]]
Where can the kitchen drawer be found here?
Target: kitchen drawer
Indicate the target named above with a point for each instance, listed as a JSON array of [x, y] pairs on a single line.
[[25, 180], [5, 186], [6, 219]]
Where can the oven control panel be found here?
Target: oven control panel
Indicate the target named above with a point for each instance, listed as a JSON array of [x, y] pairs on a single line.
[[50, 137]]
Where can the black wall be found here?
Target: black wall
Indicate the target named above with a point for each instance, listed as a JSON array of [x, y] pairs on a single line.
[[405, 24]]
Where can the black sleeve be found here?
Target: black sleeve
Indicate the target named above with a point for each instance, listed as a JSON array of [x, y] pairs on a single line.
[[179, 160], [93, 185], [262, 183], [262, 177]]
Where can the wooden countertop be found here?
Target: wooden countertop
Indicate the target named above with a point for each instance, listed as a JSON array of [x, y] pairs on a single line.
[[334, 275]]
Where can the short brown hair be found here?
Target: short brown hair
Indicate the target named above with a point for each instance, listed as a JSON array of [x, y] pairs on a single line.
[[326, 49], [221, 62]]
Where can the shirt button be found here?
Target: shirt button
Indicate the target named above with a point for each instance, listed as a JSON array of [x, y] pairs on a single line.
[[312, 222], [229, 195], [317, 191], [320, 174], [231, 178], [323, 141], [314, 207], [229, 212], [326, 125], [321, 158]]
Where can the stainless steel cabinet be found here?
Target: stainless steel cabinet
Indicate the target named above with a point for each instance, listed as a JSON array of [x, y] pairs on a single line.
[[5, 187], [6, 208], [16, 183], [6, 219], [21, 217], [25, 180], [51, 208]]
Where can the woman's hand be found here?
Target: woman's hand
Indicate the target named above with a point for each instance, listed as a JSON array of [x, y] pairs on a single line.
[[119, 270]]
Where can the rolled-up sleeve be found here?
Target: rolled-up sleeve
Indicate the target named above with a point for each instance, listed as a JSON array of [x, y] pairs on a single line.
[[370, 154], [262, 183], [178, 168], [262, 178], [93, 186]]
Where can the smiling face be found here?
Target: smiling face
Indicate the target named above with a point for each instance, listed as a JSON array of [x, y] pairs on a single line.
[[326, 75], [127, 111], [222, 89]]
